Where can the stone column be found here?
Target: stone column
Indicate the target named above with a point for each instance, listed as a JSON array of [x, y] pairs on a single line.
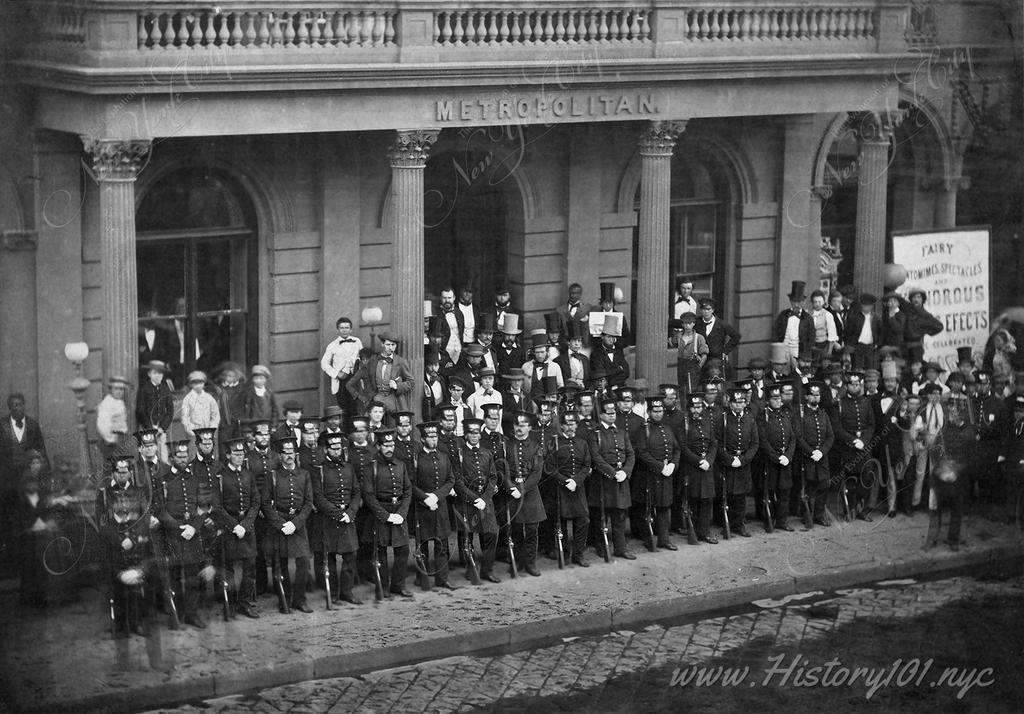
[[652, 294], [408, 155], [115, 164], [945, 201], [874, 131]]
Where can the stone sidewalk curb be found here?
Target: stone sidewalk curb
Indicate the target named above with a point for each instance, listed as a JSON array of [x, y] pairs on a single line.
[[540, 633]]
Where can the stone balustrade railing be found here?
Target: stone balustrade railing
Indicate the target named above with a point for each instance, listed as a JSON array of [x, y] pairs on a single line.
[[838, 21], [467, 28]]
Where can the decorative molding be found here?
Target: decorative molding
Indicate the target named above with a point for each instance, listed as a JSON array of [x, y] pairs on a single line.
[[17, 241], [659, 137], [116, 159], [411, 148]]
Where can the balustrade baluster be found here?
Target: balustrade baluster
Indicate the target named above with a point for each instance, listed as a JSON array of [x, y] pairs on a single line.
[[301, 29], [316, 24], [492, 27], [705, 26], [329, 38], [716, 27], [365, 28], [830, 28], [773, 27], [209, 36], [841, 24], [224, 35], [784, 24], [457, 35], [869, 23], [801, 24], [379, 28], [503, 28], [813, 28]]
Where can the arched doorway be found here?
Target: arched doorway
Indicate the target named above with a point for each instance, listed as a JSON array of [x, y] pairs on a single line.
[[197, 262], [466, 208]]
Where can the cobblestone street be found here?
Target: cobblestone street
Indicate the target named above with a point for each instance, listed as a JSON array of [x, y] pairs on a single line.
[[905, 633]]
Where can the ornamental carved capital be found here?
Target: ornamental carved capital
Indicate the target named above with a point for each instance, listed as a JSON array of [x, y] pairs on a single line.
[[659, 137], [411, 148], [876, 127], [116, 159]]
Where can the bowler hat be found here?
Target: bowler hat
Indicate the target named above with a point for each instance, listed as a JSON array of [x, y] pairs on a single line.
[[388, 336]]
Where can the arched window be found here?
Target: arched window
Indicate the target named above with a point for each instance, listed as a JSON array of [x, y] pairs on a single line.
[[197, 272]]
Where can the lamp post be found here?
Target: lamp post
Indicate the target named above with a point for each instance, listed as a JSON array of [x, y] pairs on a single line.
[[372, 316], [76, 353]]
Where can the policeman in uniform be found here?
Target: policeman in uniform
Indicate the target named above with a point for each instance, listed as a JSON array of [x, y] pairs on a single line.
[[387, 492], [261, 460], [287, 501], [361, 453], [853, 422], [992, 428], [337, 495], [737, 435], [150, 475], [699, 450], [522, 479], [568, 466], [122, 514], [239, 503], [476, 482], [177, 504], [658, 459], [206, 467], [814, 439], [432, 482], [612, 457], [778, 447]]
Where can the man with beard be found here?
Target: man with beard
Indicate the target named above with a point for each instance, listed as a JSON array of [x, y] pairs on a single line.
[[853, 422], [699, 451], [338, 496], [737, 436], [613, 458], [525, 464], [452, 324], [475, 484], [433, 481], [814, 439], [778, 446], [287, 501], [387, 491], [568, 465], [235, 514]]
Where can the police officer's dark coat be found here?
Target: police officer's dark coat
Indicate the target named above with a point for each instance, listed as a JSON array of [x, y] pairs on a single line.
[[150, 478], [776, 436], [122, 511], [699, 443], [287, 496], [477, 478], [610, 451], [386, 490], [336, 493], [434, 474], [181, 498], [852, 418], [567, 459], [813, 431], [260, 463], [525, 468], [737, 436], [206, 469], [238, 505], [658, 445]]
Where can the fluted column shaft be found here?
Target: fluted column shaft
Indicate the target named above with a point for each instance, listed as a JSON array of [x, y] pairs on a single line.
[[408, 156], [115, 165], [652, 290], [874, 131]]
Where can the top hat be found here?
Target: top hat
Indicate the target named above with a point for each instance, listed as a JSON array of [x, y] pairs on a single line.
[[868, 299], [607, 292], [486, 322], [575, 329], [552, 322], [963, 354], [428, 308], [549, 385], [510, 324], [538, 339], [501, 286], [612, 324], [796, 292], [431, 355], [779, 353], [292, 406]]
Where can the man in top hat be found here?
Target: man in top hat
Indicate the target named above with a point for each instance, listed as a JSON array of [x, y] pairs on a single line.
[[539, 367], [890, 423], [508, 353], [502, 305], [387, 491], [919, 322], [814, 438], [574, 310], [722, 338], [573, 362], [607, 357], [795, 327], [154, 402], [476, 482], [485, 393], [565, 495], [553, 332], [386, 377], [698, 453], [337, 497], [238, 505], [736, 434], [292, 424], [864, 333], [965, 363], [525, 459], [894, 324], [778, 448], [177, 503], [452, 324], [287, 501], [112, 416], [612, 458], [853, 423], [654, 478], [339, 362], [432, 482], [684, 302], [485, 331]]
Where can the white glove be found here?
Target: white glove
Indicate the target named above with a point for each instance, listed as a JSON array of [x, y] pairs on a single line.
[[620, 476], [516, 493], [396, 519], [345, 518], [571, 485], [736, 462], [127, 544], [431, 501], [132, 576], [858, 444], [288, 528], [38, 525], [783, 460], [704, 465], [187, 532], [816, 455], [479, 504], [239, 531], [452, 493], [207, 573], [668, 469], [154, 522], [1001, 459]]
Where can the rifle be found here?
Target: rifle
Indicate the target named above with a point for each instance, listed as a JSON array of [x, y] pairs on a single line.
[[378, 584], [691, 532], [511, 543], [766, 496], [327, 581], [225, 598], [419, 559], [559, 535], [808, 516], [113, 619], [726, 532], [604, 527], [648, 516], [466, 546], [169, 595], [282, 598]]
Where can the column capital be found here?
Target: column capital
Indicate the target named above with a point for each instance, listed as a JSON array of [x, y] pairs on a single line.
[[411, 147], [876, 127], [659, 137], [116, 159]]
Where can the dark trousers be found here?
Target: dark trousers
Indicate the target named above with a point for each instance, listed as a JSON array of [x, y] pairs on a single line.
[[343, 399], [737, 511], [817, 494], [864, 357], [439, 565], [780, 505], [343, 580], [244, 595], [297, 596], [574, 547], [662, 521], [184, 578], [617, 516], [700, 510], [134, 608], [954, 502], [488, 544], [395, 577], [524, 537]]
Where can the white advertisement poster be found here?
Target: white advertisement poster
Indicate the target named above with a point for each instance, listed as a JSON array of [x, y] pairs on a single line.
[[952, 267]]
